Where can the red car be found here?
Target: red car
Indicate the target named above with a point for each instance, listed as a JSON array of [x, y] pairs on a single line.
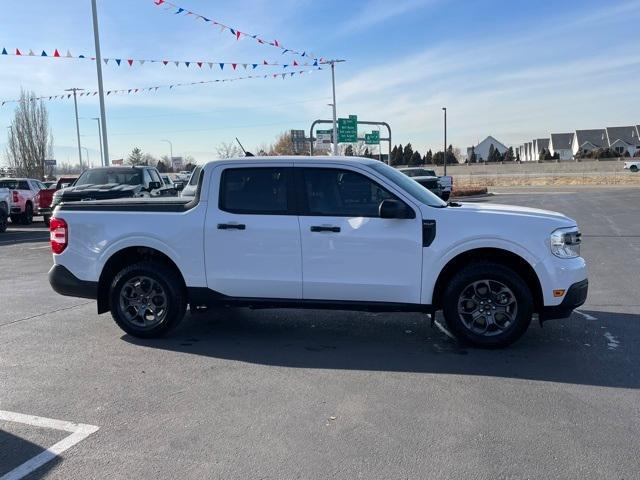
[[46, 196]]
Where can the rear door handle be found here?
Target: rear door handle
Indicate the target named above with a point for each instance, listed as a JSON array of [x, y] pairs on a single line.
[[319, 228], [232, 226]]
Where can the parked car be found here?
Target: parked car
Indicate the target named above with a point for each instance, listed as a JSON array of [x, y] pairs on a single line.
[[191, 185], [170, 183], [45, 197], [24, 198], [113, 182], [5, 205], [633, 166], [441, 186], [338, 233]]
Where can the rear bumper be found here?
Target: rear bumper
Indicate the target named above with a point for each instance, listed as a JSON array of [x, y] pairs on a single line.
[[575, 297], [66, 283], [16, 210]]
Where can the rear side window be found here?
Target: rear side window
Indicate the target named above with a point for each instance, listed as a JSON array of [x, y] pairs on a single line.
[[195, 176], [258, 191]]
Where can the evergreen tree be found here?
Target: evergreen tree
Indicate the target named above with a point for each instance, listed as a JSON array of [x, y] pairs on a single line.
[[492, 151], [394, 155], [472, 157], [508, 155], [518, 155], [348, 152], [135, 157], [407, 154], [367, 154], [428, 158], [399, 156], [416, 159], [162, 167]]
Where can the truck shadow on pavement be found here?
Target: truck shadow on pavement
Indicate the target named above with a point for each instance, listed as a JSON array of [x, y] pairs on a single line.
[[17, 450], [574, 350]]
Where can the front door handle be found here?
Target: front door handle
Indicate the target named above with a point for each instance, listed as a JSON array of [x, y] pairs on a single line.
[[232, 226], [318, 228]]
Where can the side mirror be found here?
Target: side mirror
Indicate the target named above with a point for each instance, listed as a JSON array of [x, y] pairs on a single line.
[[154, 185], [179, 186], [394, 209]]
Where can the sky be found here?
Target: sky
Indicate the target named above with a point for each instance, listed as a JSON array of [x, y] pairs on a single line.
[[512, 69]]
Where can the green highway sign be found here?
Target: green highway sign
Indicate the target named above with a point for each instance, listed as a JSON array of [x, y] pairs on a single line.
[[348, 129], [372, 138]]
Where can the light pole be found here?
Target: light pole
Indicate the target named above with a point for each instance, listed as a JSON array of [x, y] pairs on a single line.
[[335, 120], [75, 104], [88, 160], [100, 137], [170, 152], [103, 116], [445, 140]]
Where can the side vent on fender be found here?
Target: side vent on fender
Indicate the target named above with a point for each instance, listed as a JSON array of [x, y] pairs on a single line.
[[428, 232]]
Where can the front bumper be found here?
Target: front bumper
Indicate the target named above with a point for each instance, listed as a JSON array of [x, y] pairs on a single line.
[[575, 297], [66, 283]]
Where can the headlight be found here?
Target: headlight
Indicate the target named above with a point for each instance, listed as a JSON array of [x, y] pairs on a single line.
[[565, 242]]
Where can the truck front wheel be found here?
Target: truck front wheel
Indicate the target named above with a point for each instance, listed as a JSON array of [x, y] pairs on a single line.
[[488, 305], [147, 300]]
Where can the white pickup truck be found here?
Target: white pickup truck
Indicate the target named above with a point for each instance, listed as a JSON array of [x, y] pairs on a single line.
[[318, 232], [5, 208]]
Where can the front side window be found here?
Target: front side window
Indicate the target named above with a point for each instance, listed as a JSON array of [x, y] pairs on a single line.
[[342, 193], [258, 191]]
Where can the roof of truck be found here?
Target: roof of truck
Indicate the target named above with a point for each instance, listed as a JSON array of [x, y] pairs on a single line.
[[299, 159]]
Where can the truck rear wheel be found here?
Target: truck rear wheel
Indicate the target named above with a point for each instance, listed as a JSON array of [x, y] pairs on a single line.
[[146, 299], [27, 216], [3, 220], [488, 305]]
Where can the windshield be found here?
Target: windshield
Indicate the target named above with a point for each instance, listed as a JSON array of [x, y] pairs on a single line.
[[102, 176], [412, 187], [14, 184], [418, 172]]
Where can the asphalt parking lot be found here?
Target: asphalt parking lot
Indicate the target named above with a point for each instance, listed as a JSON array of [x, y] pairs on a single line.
[[308, 394]]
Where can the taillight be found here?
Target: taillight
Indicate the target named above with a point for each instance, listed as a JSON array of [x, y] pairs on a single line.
[[59, 235], [16, 199]]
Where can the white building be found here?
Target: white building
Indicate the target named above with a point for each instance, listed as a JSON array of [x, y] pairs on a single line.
[[482, 149], [560, 143], [623, 139], [539, 144], [589, 140]]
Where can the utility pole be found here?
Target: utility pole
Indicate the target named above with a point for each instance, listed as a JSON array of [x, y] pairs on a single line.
[[445, 140], [335, 119], [103, 116], [100, 137], [86, 150], [75, 104]]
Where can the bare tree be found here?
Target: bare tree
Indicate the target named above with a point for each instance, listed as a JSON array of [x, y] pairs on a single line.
[[228, 150], [283, 145], [30, 140]]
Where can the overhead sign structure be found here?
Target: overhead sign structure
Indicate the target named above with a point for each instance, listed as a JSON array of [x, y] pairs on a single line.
[[50, 163], [324, 139], [348, 129], [372, 138]]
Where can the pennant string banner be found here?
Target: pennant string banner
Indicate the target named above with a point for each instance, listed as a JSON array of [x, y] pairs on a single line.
[[129, 91], [178, 10], [16, 52]]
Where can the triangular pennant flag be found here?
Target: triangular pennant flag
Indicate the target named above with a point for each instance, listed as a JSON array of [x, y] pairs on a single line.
[[31, 54], [199, 64], [180, 10], [69, 96], [187, 64], [304, 53], [4, 51], [108, 92], [80, 56], [56, 53], [157, 88], [118, 60], [284, 75], [177, 63], [158, 2], [233, 32], [244, 65], [264, 62], [295, 64], [68, 55], [285, 51], [222, 27], [221, 66], [43, 54], [129, 91], [210, 64], [141, 62], [18, 52], [275, 42], [170, 87], [238, 33], [136, 90], [106, 61], [95, 93], [205, 19], [315, 64], [130, 61], [165, 61], [254, 65], [234, 65], [260, 40]]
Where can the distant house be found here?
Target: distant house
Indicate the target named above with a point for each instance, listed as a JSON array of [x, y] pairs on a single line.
[[482, 149], [539, 144], [623, 139], [589, 140], [560, 143]]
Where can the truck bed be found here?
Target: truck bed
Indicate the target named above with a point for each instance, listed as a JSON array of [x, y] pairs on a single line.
[[158, 204]]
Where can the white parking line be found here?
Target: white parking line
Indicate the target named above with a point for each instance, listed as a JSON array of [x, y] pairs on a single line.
[[441, 328], [79, 431], [585, 315]]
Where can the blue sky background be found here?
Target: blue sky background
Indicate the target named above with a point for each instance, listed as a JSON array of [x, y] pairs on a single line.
[[512, 69]]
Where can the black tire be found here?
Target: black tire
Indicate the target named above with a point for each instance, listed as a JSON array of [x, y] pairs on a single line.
[[47, 219], [633, 168], [445, 196], [495, 335], [27, 216], [3, 221], [175, 301]]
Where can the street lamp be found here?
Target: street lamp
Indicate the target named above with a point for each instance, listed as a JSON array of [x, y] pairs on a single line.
[[445, 140], [335, 120], [75, 104], [170, 152]]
